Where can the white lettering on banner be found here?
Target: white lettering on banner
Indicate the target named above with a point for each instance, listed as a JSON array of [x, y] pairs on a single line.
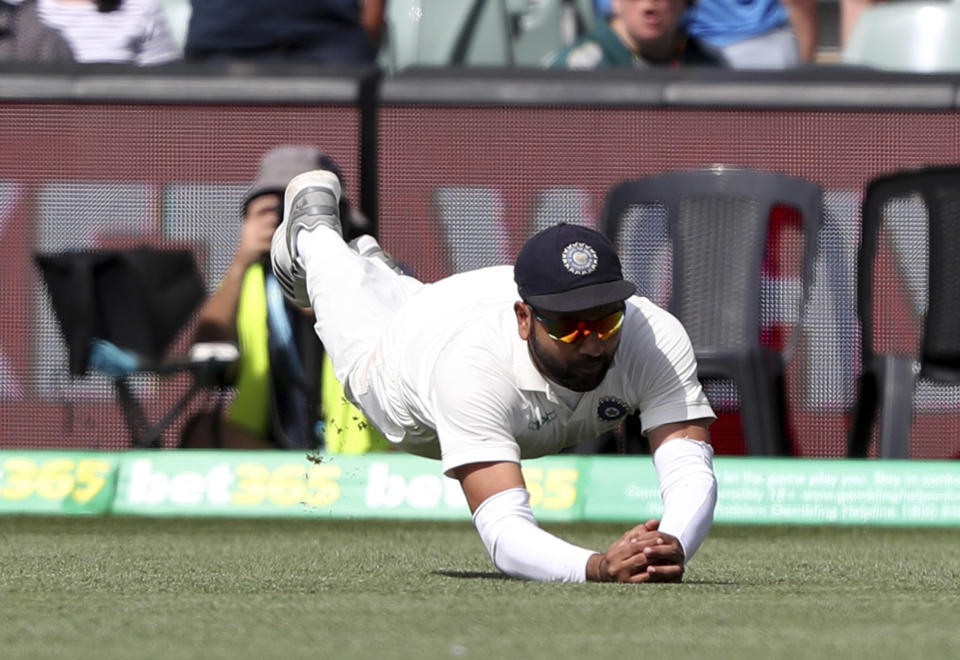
[[384, 491], [472, 218], [423, 491], [453, 494], [196, 212], [10, 386], [823, 480], [78, 215], [219, 482], [186, 488], [150, 487]]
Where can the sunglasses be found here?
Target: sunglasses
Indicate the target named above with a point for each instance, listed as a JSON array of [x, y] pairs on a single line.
[[570, 330]]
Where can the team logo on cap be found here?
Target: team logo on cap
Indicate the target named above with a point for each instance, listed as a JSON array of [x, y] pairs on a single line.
[[579, 258], [611, 409]]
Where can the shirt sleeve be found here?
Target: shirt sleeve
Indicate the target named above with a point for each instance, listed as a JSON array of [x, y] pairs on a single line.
[[473, 403], [668, 388]]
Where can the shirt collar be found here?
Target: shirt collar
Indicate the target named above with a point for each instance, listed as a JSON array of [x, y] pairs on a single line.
[[529, 378]]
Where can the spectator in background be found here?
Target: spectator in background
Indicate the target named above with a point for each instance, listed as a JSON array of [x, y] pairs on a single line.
[[639, 33], [757, 34], [319, 31], [133, 31], [23, 38], [282, 374]]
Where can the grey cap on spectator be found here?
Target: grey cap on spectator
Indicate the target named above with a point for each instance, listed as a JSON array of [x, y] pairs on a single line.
[[281, 164]]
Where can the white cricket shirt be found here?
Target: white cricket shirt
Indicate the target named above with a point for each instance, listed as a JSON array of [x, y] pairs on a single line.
[[452, 379]]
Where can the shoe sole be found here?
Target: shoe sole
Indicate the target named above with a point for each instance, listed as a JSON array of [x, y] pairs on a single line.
[[323, 209]]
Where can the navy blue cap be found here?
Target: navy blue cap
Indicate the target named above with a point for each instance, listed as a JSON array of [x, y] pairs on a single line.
[[569, 268]]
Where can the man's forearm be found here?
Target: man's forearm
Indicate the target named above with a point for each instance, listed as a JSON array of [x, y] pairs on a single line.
[[689, 491], [518, 547], [803, 20], [218, 316]]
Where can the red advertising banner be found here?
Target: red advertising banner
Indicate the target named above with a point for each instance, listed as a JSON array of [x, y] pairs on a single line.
[[458, 187]]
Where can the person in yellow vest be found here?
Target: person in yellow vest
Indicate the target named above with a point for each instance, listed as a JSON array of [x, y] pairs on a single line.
[[285, 393]]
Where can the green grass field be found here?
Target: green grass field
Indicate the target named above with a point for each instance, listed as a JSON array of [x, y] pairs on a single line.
[[193, 588]]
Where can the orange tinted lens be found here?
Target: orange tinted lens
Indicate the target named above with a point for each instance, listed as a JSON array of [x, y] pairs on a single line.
[[609, 325], [569, 330], [561, 331]]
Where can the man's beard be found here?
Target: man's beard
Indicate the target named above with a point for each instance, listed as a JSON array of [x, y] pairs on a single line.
[[580, 375]]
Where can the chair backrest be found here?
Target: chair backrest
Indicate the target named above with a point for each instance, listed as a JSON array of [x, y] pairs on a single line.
[[907, 36], [537, 29], [890, 203], [137, 299], [446, 33], [717, 220]]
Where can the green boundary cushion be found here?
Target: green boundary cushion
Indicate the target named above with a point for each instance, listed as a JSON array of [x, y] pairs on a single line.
[[399, 486]]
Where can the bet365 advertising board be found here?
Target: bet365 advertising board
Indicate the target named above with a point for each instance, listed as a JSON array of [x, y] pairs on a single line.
[[562, 488]]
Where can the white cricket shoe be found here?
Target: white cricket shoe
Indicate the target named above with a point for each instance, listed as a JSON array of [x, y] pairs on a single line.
[[312, 199]]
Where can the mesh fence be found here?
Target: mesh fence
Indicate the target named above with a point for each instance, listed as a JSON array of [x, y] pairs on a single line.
[[87, 176], [462, 187], [459, 187]]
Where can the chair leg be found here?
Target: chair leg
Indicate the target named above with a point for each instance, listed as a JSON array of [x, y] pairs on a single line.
[[863, 415], [783, 440], [133, 414], [896, 412], [762, 408]]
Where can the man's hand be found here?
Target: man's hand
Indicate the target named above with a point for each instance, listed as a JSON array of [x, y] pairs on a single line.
[[642, 554], [664, 556], [255, 237]]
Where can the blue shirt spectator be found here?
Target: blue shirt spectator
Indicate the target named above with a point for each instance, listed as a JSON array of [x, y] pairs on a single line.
[[756, 34], [723, 22], [602, 8]]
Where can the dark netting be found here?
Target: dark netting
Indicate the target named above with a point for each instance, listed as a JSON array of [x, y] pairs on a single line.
[[92, 176], [714, 308], [646, 255], [900, 277], [467, 185], [942, 329], [458, 187]]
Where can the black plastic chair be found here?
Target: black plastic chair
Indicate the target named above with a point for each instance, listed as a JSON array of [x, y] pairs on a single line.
[[890, 373], [717, 222], [119, 310]]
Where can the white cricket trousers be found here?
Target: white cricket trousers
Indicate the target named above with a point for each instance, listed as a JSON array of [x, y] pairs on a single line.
[[354, 298]]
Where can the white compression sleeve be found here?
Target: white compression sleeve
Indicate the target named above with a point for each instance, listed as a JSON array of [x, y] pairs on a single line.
[[689, 490], [518, 547]]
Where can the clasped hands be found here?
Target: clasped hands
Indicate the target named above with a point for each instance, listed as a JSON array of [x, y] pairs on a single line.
[[642, 554]]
